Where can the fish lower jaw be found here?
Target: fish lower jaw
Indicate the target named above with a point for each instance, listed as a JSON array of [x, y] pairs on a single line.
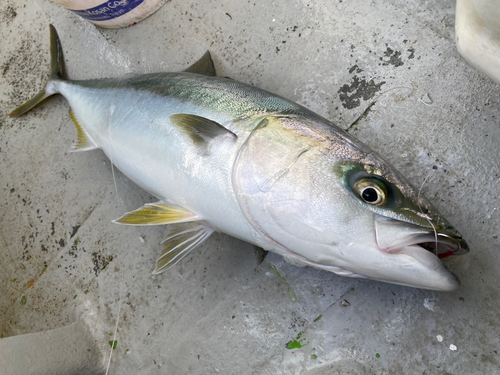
[[420, 253], [416, 267]]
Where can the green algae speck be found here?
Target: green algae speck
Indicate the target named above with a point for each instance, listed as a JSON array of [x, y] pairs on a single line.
[[297, 343], [293, 345]]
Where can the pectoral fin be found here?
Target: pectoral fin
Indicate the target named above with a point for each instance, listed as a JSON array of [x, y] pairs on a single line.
[[181, 240], [85, 141], [260, 254], [157, 214], [199, 129], [204, 66]]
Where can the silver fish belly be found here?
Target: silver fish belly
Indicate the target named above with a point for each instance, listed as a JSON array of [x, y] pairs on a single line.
[[224, 156]]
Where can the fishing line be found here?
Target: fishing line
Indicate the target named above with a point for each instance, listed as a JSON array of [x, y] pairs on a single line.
[[420, 207], [116, 326], [392, 89], [112, 147], [113, 173]]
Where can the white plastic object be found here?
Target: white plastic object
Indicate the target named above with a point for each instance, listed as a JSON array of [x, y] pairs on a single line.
[[477, 28], [112, 14]]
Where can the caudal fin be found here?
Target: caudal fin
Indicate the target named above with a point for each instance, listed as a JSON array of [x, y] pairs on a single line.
[[58, 72]]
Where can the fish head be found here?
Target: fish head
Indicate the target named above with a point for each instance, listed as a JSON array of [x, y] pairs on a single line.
[[327, 200], [408, 236]]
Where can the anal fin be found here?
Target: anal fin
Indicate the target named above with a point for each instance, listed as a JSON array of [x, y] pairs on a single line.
[[85, 141], [260, 254], [181, 240], [159, 213]]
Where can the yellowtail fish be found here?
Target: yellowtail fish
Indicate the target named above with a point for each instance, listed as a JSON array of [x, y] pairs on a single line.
[[225, 156]]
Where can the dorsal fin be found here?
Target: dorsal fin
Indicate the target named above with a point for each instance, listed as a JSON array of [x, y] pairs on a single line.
[[204, 66], [199, 129]]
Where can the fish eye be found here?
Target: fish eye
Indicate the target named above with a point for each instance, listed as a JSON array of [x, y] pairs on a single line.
[[371, 192]]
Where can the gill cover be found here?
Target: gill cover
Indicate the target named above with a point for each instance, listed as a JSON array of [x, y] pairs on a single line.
[[274, 157]]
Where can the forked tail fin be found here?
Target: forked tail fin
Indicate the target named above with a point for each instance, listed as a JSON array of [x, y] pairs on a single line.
[[58, 72]]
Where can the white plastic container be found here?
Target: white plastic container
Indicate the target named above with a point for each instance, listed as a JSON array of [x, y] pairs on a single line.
[[477, 28], [113, 14]]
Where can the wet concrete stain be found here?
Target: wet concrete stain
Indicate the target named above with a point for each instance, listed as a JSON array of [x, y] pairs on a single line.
[[20, 63], [412, 53], [394, 58], [72, 252], [100, 262], [351, 95], [355, 68], [8, 14]]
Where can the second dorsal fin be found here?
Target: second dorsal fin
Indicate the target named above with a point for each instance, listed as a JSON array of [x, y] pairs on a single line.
[[204, 66]]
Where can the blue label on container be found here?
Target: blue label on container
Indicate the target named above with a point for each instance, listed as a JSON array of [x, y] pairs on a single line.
[[108, 10]]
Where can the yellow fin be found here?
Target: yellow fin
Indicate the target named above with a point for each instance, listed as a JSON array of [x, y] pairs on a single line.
[[204, 66], [33, 102], [84, 142], [157, 214], [181, 239]]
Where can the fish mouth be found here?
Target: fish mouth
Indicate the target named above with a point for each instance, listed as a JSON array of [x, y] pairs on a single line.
[[414, 254], [392, 236], [440, 244]]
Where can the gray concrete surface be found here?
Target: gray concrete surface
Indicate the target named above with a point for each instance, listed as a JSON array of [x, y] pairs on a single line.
[[67, 350], [218, 311]]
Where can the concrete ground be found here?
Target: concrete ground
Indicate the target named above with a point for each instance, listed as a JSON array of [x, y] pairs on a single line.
[[66, 269]]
